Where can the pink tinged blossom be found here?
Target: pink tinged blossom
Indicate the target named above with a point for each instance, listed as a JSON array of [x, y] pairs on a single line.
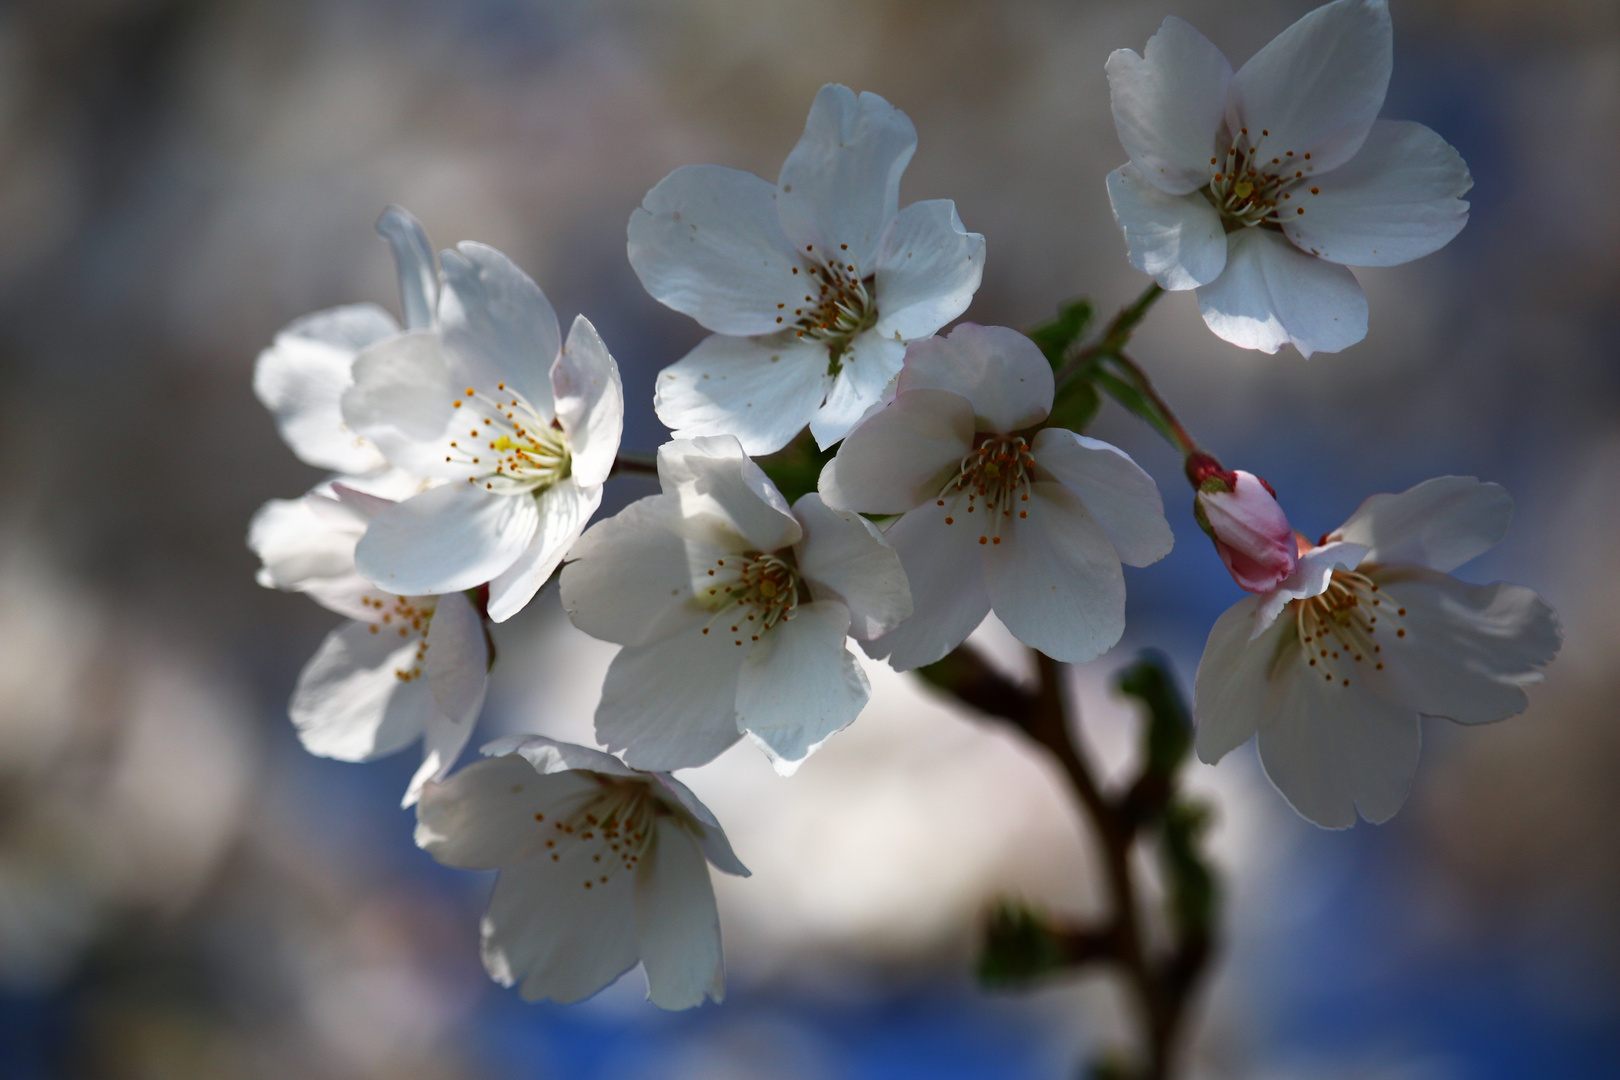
[[734, 611], [601, 867], [996, 515], [1334, 668], [812, 285], [1240, 513], [402, 669], [1259, 188]]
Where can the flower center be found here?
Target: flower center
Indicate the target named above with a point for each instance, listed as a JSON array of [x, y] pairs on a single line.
[[1338, 629], [839, 308], [751, 594], [407, 616], [608, 830], [997, 476], [1257, 185], [510, 448]]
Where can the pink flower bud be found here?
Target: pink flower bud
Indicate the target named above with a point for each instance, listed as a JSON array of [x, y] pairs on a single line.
[[1251, 532]]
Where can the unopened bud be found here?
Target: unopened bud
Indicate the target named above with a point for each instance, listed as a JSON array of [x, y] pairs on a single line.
[[1239, 511]]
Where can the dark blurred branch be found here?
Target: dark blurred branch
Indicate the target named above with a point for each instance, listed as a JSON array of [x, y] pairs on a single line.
[[629, 461], [1021, 946]]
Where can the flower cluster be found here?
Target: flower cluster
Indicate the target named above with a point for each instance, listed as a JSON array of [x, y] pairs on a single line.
[[470, 447]]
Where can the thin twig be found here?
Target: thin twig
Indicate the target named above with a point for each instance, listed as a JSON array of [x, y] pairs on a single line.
[[629, 461]]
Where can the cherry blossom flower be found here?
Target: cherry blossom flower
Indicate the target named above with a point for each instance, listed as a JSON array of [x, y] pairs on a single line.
[[1335, 666], [301, 377], [733, 611], [1239, 511], [812, 286], [522, 429], [997, 515], [403, 668], [601, 866], [1259, 188]]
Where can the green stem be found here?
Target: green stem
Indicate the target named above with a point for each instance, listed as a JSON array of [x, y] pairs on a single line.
[[1172, 428], [1115, 336]]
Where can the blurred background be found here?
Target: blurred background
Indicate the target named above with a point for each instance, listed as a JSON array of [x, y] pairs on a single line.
[[185, 893]]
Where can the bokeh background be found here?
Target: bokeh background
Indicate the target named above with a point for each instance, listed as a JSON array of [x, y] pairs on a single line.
[[185, 893]]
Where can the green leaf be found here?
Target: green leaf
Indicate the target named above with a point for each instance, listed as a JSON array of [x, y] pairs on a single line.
[[1193, 890], [1168, 736], [1057, 337], [1018, 947], [1075, 405], [796, 468]]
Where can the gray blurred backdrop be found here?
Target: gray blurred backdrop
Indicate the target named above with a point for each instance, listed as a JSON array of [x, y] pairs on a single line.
[[185, 893]]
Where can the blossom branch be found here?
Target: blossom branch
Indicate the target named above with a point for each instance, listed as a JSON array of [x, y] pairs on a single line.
[[1019, 945], [629, 461]]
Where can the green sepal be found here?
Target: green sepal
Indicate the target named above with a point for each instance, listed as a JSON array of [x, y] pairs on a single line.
[[1075, 405], [796, 468], [1019, 948], [1058, 336]]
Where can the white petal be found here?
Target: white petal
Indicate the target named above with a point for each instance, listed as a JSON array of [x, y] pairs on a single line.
[[841, 183], [1117, 493], [565, 507], [457, 664], [673, 704], [945, 568], [1233, 679], [413, 259], [446, 539], [1272, 294], [497, 326], [550, 756], [307, 545], [1440, 523], [1167, 105], [1055, 578], [557, 939], [442, 742], [712, 476], [1318, 86], [928, 268], [1179, 239], [590, 403], [707, 242], [844, 557], [710, 836], [1311, 576], [1331, 749], [801, 684], [869, 366], [762, 390], [1397, 200], [402, 400], [350, 702], [1000, 371], [483, 817], [630, 578], [1468, 650], [301, 379], [677, 926], [902, 456]]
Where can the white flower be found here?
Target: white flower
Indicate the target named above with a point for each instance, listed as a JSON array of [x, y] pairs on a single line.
[[600, 866], [404, 668], [302, 376], [522, 429], [732, 610], [1334, 668], [1033, 524], [812, 285], [1258, 188]]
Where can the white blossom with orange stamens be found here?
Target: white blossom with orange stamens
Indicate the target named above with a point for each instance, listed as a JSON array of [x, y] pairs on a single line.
[[404, 668], [601, 867], [521, 428], [1334, 668], [733, 610], [1259, 188], [997, 514], [812, 285]]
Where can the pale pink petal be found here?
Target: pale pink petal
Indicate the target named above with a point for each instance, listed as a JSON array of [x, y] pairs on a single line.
[[902, 456], [867, 370], [1272, 294], [590, 403], [1167, 105], [800, 685], [677, 926], [712, 476], [457, 663], [945, 568], [1117, 493], [497, 326], [554, 938], [484, 816], [414, 262], [844, 557], [446, 539], [351, 702], [1000, 371], [565, 508], [928, 268], [672, 704], [1233, 678], [761, 390], [1178, 239], [1440, 523]]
